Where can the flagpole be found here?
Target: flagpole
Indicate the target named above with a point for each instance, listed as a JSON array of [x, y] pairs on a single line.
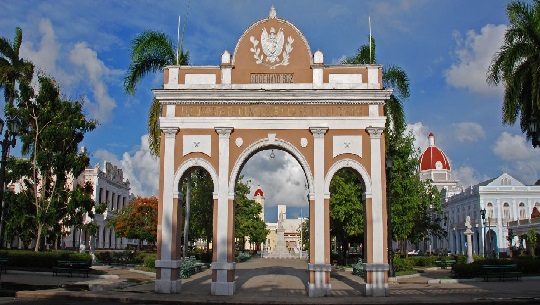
[[369, 20], [178, 40]]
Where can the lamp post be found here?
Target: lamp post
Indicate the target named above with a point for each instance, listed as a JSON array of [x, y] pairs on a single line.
[[391, 273], [10, 134]]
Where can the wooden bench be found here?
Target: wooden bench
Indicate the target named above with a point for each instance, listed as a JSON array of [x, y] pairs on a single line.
[[445, 263], [501, 272], [70, 267], [3, 264]]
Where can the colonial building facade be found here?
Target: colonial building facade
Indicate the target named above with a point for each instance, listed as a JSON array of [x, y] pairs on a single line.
[[110, 187], [492, 206]]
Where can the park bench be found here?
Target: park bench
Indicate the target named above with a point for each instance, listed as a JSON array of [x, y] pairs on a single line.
[[445, 263], [70, 267], [3, 264], [501, 272]]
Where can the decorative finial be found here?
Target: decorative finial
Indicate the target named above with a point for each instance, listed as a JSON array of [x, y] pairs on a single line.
[[272, 14]]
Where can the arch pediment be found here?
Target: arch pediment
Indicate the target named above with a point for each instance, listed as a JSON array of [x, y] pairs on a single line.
[[269, 49]]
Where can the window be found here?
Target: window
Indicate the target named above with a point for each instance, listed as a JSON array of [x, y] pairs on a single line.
[[522, 211], [489, 212], [506, 213]]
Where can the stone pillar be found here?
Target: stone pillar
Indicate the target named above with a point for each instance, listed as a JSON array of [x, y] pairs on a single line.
[[319, 261], [223, 266], [376, 260], [168, 263]]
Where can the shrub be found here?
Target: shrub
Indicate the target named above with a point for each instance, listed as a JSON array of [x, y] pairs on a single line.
[[358, 268], [402, 264], [150, 261]]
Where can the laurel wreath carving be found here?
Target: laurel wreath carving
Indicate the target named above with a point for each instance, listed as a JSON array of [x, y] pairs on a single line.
[[259, 58]]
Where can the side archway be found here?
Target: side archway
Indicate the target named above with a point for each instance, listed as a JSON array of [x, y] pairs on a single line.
[[195, 162], [347, 163]]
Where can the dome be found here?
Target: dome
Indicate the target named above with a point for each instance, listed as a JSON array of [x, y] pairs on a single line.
[[433, 158], [259, 192]]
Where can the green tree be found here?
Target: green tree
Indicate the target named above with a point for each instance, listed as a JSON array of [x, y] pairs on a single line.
[[531, 241], [247, 220], [516, 65], [53, 129], [346, 209], [150, 52], [403, 181], [137, 220], [13, 71], [202, 205], [305, 234]]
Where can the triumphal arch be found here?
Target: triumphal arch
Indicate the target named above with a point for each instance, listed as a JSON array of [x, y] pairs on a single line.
[[272, 93]]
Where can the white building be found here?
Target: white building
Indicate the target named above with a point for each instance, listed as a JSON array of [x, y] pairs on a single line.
[[504, 199], [108, 186]]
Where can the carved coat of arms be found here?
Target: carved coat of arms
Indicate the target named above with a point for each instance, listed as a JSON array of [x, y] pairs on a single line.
[[272, 44]]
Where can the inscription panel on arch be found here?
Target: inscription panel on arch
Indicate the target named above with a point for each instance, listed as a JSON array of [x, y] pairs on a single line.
[[272, 111]]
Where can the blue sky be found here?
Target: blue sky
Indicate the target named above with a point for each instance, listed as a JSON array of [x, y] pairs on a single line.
[[444, 46]]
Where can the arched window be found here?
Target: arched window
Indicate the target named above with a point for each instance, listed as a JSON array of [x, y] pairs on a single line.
[[522, 211], [506, 213], [490, 212]]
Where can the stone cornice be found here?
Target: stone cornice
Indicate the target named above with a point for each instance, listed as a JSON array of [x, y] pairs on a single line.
[[272, 97]]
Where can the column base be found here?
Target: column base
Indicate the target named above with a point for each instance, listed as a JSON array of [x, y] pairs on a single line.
[[167, 286], [376, 280], [315, 291], [320, 287], [223, 288]]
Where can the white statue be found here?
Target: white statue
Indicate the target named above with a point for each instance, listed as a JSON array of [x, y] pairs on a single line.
[[468, 222]]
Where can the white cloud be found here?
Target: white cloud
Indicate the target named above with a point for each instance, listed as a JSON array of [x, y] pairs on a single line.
[[420, 133], [468, 176], [140, 168], [468, 132], [521, 160], [96, 71], [514, 148], [46, 54], [474, 54]]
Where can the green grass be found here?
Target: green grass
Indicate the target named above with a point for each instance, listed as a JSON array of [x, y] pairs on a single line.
[[406, 272]]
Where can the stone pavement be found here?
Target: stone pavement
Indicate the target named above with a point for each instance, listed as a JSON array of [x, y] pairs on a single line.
[[267, 281]]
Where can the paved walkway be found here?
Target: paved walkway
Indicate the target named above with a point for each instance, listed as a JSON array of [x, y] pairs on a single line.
[[269, 281]]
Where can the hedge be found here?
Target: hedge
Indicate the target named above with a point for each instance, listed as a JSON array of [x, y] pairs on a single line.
[[31, 259]]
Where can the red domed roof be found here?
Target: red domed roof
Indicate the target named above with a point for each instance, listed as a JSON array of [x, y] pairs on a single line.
[[433, 157], [259, 192]]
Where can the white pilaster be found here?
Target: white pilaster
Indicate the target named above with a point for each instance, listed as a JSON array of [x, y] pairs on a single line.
[[166, 284], [221, 266], [320, 267], [378, 267]]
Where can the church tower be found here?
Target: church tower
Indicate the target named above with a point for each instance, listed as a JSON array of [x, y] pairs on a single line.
[[259, 198]]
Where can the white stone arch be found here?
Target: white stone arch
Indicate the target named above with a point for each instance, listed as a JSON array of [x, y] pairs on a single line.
[[344, 163], [195, 162], [275, 142]]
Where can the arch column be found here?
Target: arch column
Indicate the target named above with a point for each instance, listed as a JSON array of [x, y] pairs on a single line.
[[375, 235], [223, 265], [168, 263], [319, 260]]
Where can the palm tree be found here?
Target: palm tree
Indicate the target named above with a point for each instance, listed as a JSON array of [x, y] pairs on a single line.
[[150, 52], [516, 65], [393, 77], [13, 71]]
